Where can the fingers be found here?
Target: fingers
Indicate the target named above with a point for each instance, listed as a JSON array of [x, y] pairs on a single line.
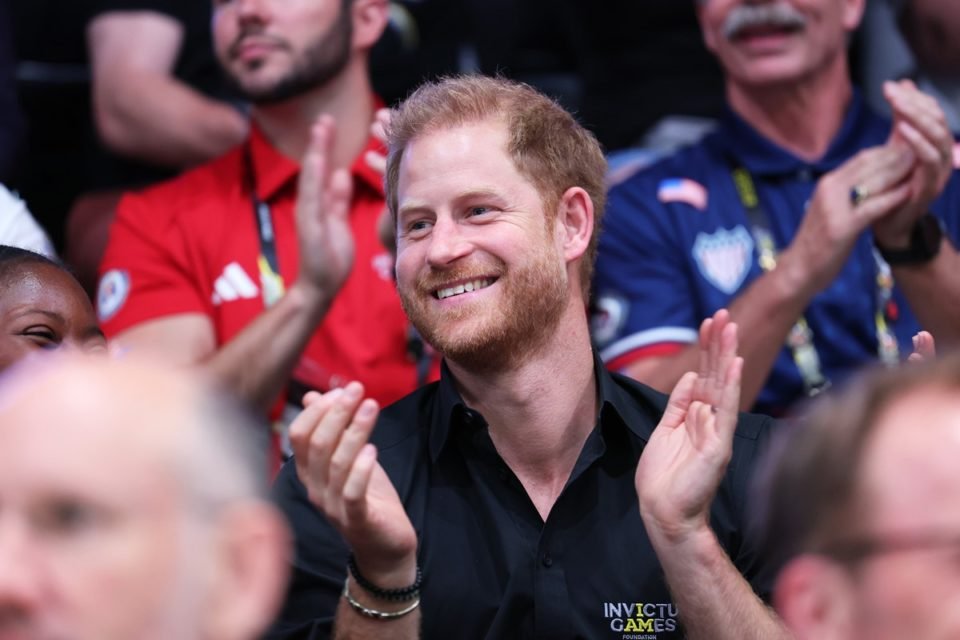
[[328, 438], [718, 347], [313, 172], [728, 405], [883, 173], [921, 113], [355, 488], [352, 440], [381, 124], [924, 348], [923, 147], [680, 399], [881, 204], [303, 426], [877, 170], [377, 160], [337, 201]]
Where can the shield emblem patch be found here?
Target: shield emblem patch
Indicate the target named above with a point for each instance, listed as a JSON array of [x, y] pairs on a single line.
[[724, 257]]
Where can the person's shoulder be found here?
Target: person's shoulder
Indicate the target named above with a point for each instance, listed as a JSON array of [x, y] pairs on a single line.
[[693, 161]]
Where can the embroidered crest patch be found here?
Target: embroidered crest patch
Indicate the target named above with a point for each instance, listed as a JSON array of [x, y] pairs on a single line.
[[724, 257]]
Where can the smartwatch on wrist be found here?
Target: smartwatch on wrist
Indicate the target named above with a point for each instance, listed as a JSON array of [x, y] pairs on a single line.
[[925, 239]]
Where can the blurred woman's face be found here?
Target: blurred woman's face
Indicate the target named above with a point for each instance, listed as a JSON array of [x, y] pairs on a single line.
[[44, 308]]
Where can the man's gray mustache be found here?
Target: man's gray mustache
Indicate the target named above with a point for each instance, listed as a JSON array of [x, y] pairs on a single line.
[[765, 15]]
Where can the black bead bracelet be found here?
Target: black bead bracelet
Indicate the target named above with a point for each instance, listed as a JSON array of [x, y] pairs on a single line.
[[397, 595]]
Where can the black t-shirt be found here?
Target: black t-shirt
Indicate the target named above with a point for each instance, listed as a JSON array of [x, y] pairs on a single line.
[[491, 567]]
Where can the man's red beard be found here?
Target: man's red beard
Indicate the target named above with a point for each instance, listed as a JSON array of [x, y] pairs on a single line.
[[530, 303]]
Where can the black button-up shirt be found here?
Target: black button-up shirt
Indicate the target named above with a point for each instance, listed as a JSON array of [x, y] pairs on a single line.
[[492, 567]]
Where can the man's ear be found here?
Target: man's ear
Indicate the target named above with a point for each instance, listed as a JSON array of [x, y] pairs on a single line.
[[252, 545], [815, 598], [574, 222], [370, 18]]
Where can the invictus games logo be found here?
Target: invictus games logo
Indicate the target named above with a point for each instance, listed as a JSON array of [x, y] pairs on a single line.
[[641, 620]]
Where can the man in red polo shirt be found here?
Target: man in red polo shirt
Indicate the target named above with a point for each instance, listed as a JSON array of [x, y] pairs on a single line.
[[227, 266]]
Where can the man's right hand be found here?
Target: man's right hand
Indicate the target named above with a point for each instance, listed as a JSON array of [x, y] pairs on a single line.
[[833, 220], [322, 216], [339, 468]]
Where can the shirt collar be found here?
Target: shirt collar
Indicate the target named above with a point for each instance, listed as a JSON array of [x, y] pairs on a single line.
[[273, 171], [742, 144], [619, 408]]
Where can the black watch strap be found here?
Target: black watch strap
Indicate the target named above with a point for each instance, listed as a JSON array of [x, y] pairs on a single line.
[[925, 240]]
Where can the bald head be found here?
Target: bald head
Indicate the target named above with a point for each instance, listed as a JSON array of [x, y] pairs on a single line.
[[863, 508], [125, 479]]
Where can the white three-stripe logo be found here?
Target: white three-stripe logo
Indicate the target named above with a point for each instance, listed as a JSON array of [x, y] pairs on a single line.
[[234, 284]]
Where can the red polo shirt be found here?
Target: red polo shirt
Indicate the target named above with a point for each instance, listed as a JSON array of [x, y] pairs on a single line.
[[190, 245]]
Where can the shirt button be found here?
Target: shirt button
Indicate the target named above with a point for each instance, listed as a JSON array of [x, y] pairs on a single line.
[[547, 560], [805, 174]]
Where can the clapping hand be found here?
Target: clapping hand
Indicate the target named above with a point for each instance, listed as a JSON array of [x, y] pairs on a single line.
[[339, 469], [687, 455]]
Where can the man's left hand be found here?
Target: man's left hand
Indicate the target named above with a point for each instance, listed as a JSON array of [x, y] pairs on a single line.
[[687, 455], [921, 126]]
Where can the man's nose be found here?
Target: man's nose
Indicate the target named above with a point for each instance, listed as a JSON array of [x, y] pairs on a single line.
[[251, 9], [447, 243]]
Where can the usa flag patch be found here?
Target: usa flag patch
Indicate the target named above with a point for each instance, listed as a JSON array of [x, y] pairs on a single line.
[[683, 190]]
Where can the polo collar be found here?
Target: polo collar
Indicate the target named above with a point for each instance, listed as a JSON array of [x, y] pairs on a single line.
[[272, 170], [742, 144], [618, 409]]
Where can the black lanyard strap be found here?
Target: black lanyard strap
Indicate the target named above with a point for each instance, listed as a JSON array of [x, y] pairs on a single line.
[[268, 264]]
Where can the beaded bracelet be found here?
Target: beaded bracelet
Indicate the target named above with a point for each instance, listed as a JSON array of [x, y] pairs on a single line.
[[396, 595], [367, 612]]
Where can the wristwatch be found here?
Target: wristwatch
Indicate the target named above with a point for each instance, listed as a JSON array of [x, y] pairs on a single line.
[[925, 239]]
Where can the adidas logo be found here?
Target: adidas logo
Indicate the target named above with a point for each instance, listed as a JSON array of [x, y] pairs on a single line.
[[233, 284]]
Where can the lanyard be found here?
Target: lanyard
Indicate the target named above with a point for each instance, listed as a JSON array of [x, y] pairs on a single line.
[[800, 337], [271, 284]]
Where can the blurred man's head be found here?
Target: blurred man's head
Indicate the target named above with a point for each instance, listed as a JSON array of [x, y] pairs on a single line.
[[864, 511], [762, 43], [274, 50], [496, 191], [132, 506], [42, 308]]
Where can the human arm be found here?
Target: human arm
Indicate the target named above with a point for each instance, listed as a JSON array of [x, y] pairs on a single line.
[[341, 475], [677, 478], [769, 307], [258, 360], [931, 288], [141, 109]]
